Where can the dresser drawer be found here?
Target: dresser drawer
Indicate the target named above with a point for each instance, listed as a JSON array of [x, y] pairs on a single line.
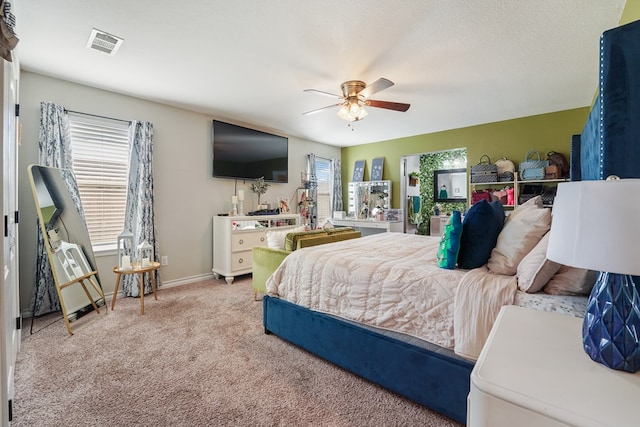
[[241, 260], [246, 241]]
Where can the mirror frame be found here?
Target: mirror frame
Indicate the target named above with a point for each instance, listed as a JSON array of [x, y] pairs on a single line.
[[53, 198], [443, 177]]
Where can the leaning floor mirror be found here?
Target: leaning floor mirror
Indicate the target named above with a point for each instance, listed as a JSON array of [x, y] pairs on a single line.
[[67, 243]]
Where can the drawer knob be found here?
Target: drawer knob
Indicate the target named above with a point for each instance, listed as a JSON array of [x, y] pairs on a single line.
[[240, 261], [262, 239], [241, 241]]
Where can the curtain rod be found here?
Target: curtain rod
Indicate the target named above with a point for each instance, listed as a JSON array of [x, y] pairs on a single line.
[[96, 115]]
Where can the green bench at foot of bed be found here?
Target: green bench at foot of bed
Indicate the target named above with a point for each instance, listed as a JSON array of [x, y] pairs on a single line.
[[267, 260]]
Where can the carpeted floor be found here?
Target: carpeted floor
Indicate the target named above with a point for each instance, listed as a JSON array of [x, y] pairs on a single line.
[[198, 357]]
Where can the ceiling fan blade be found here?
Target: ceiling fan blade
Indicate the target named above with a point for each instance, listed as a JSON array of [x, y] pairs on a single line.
[[376, 87], [320, 92], [397, 106], [320, 109]]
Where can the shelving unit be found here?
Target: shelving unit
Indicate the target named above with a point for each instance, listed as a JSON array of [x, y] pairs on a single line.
[[307, 196], [516, 184]]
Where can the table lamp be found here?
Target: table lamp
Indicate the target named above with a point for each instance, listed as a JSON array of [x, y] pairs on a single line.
[[596, 226]]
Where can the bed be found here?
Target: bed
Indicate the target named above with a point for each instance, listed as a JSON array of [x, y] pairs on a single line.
[[428, 355]]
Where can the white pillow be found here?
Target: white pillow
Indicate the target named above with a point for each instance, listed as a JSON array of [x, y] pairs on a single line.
[[276, 238], [522, 231], [535, 270]]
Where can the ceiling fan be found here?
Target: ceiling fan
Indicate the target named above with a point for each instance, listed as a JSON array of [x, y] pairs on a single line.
[[355, 96]]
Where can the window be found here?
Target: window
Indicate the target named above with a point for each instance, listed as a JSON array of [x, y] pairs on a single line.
[[100, 155], [325, 186]]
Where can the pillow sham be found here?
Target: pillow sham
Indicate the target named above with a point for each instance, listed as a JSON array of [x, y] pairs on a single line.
[[571, 281], [535, 270], [275, 238], [450, 242], [480, 230], [522, 231]]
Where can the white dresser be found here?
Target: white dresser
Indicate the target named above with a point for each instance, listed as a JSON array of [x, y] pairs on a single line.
[[533, 371], [235, 236], [369, 226]]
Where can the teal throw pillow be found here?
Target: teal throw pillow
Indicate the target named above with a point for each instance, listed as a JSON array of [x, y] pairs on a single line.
[[450, 242]]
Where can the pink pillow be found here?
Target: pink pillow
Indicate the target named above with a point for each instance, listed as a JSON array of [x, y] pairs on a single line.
[[535, 270], [571, 281], [521, 233]]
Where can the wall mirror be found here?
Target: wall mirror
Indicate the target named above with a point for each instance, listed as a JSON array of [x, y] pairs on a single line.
[[67, 243], [450, 185], [368, 198]]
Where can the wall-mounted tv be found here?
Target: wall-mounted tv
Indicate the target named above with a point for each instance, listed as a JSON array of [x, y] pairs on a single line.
[[243, 153]]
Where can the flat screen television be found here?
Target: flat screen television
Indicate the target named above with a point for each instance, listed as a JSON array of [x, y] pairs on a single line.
[[243, 153]]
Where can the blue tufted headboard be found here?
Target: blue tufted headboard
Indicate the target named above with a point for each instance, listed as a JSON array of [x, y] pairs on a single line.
[[610, 140]]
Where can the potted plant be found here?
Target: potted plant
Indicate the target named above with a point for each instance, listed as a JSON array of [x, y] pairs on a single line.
[[413, 179], [259, 187]]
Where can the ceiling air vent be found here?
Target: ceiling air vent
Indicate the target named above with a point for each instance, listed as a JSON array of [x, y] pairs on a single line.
[[104, 42]]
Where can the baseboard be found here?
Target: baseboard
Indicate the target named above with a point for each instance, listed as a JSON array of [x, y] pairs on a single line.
[[165, 284], [186, 280]]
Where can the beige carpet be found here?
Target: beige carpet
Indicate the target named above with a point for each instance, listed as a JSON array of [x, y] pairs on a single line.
[[198, 357]]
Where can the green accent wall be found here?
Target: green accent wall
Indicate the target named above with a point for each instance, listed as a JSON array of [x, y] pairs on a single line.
[[509, 138]]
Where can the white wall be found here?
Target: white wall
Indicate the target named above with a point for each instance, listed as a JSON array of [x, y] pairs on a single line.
[[186, 195]]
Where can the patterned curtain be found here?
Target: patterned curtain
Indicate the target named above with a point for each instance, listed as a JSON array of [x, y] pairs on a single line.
[[336, 201], [140, 217], [313, 183], [54, 145]]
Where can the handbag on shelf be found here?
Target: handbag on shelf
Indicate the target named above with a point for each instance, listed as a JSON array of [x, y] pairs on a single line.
[[484, 171], [505, 165], [533, 168], [506, 176], [551, 172], [479, 195], [499, 196], [529, 192], [548, 195], [560, 161], [510, 196]]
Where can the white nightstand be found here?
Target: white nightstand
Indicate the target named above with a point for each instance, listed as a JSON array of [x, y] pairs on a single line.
[[533, 372]]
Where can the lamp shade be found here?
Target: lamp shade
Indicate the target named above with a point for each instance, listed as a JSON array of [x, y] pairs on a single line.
[[596, 226]]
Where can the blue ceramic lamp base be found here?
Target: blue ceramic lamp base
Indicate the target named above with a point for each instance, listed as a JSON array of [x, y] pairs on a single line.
[[611, 326]]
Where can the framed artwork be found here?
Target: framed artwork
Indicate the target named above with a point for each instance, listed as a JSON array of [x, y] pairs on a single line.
[[358, 171], [376, 169]]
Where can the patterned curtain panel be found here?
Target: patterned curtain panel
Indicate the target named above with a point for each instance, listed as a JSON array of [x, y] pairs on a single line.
[[140, 217], [313, 178], [54, 144], [336, 202]]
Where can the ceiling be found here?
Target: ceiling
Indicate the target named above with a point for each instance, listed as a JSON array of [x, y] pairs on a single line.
[[457, 62]]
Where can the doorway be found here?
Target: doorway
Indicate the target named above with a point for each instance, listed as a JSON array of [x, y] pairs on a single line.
[[417, 196]]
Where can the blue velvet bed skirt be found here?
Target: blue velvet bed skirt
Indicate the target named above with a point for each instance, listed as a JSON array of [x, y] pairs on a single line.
[[438, 381]]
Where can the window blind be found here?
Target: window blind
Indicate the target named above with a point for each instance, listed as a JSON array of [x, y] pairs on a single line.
[[325, 184], [100, 155]]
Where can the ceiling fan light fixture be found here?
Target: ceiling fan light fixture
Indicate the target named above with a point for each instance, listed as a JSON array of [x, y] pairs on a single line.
[[352, 111], [355, 97], [343, 112]]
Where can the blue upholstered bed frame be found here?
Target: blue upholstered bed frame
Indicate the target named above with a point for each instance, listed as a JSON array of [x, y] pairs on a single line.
[[609, 144], [610, 141], [437, 380]]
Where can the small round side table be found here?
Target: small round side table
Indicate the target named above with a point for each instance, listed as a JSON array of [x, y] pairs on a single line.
[[137, 270]]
